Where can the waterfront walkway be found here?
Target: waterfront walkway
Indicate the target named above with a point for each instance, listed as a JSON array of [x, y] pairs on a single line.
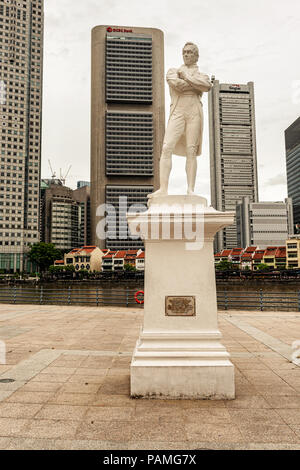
[[70, 388]]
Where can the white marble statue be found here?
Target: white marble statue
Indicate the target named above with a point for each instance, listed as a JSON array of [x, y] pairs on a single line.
[[185, 127]]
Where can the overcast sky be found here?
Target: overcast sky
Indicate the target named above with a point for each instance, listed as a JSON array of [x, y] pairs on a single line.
[[239, 42]]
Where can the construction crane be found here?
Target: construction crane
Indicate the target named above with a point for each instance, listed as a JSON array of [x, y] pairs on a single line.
[[63, 178], [53, 174]]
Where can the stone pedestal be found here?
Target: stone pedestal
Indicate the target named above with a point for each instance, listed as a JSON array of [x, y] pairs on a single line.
[[179, 352]]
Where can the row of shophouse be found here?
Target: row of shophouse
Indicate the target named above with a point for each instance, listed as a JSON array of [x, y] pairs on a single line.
[[276, 257], [92, 258]]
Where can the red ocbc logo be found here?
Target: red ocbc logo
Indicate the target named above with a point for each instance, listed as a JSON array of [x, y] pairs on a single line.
[[118, 30]]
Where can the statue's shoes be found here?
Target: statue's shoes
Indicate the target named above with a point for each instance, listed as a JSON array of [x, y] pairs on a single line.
[[159, 192]]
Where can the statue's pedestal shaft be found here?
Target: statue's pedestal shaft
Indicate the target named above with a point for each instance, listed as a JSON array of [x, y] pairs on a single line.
[[179, 352]]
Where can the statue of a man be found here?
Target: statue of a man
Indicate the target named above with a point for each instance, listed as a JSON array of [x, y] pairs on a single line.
[[185, 127]]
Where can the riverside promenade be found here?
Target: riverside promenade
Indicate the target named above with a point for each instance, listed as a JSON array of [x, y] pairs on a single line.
[[65, 384]]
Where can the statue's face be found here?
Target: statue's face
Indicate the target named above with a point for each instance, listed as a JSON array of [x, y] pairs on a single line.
[[189, 56]]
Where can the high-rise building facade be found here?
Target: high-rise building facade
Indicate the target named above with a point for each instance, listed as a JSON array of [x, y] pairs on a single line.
[[21, 75], [61, 215], [263, 224], [233, 166], [81, 184], [292, 145], [127, 124], [82, 196]]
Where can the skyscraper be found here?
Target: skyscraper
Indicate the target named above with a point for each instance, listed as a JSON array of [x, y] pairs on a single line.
[[292, 145], [263, 224], [21, 68], [62, 215], [233, 167], [127, 122]]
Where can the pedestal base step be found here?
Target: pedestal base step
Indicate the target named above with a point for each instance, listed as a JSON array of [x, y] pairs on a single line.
[[193, 382]]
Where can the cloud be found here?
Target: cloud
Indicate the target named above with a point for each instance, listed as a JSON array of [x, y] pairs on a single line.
[[238, 43], [277, 180]]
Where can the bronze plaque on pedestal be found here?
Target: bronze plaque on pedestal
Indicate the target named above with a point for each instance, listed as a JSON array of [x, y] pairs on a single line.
[[180, 306]]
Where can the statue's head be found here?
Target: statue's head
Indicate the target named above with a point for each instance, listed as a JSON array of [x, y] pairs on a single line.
[[190, 53]]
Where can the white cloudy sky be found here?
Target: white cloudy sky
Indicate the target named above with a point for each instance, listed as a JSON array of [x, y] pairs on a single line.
[[239, 42]]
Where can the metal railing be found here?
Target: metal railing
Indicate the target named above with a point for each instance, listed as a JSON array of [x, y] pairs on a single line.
[[68, 296], [258, 300], [227, 300]]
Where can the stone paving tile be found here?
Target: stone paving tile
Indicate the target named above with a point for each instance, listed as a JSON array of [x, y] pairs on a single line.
[[296, 429], [161, 431], [30, 397], [120, 431], [19, 410], [264, 416], [51, 378], [148, 413], [213, 432], [122, 363], [66, 363], [21, 443], [13, 386], [89, 371], [49, 428], [268, 433], [187, 404], [267, 386], [115, 385], [4, 368], [4, 443], [114, 400], [248, 402], [283, 402], [33, 386], [59, 370], [83, 387], [277, 390], [62, 412], [72, 398], [97, 362], [207, 416], [78, 444], [254, 364], [11, 426], [82, 379], [290, 416], [110, 413]]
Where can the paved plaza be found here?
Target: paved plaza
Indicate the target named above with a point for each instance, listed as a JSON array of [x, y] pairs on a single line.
[[70, 368]]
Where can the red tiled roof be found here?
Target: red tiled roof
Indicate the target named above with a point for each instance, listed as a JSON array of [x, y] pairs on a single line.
[[141, 255], [250, 249], [246, 256], [236, 251], [59, 261], [259, 254], [270, 250], [75, 250], [110, 254], [88, 249], [281, 252], [120, 254], [132, 252], [225, 252]]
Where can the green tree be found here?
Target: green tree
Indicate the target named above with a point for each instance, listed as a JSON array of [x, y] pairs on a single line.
[[44, 255], [225, 265], [263, 267], [129, 267]]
